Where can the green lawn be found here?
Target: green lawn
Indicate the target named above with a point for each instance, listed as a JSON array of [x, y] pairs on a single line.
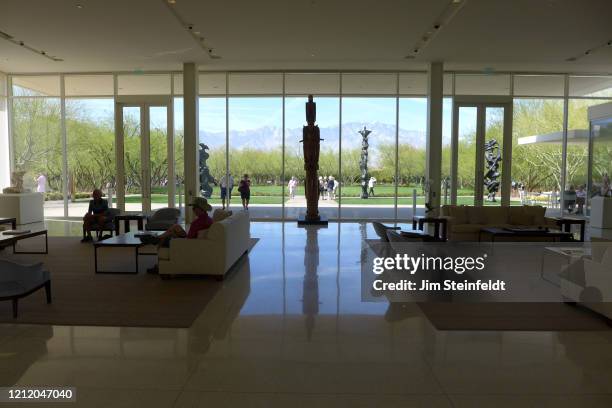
[[350, 196]]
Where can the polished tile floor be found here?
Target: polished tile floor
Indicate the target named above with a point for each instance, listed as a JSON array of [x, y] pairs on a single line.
[[289, 329]]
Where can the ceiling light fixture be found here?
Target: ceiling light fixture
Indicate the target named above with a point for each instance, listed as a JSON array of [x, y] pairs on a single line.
[[79, 6], [11, 39], [589, 51], [189, 28], [443, 19]]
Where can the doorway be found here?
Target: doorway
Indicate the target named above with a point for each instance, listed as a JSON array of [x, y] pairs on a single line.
[[481, 151], [145, 160]]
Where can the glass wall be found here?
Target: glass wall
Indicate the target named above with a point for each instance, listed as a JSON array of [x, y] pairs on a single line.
[[264, 132], [537, 147], [256, 152], [447, 123], [537, 141], [583, 93], [368, 158], [132, 158], [5, 167], [412, 154], [90, 134], [602, 152], [179, 153], [494, 146], [37, 141], [158, 156], [213, 142], [466, 153]]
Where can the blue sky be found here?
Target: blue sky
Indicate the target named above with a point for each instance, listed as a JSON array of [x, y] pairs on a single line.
[[254, 113]]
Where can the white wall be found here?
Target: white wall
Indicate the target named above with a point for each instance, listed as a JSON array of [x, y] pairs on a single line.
[[4, 136]]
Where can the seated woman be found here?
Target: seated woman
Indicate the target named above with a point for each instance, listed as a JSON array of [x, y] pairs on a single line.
[[96, 215], [202, 222]]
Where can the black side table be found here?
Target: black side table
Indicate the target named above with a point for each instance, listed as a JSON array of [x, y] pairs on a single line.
[[126, 218], [566, 225], [12, 221], [439, 224]]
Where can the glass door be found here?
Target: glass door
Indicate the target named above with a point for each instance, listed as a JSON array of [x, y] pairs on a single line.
[[145, 168], [467, 129], [481, 131], [159, 182]]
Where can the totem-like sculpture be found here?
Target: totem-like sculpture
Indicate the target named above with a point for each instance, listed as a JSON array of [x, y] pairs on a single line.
[[363, 163], [205, 177], [493, 157], [312, 145]]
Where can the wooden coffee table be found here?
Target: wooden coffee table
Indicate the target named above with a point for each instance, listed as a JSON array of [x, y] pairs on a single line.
[[128, 240], [7, 239]]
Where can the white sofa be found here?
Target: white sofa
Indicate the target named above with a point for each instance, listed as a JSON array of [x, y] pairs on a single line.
[[588, 282], [212, 253]]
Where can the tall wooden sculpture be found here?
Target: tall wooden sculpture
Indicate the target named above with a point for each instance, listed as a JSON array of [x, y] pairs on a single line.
[[312, 145], [363, 162]]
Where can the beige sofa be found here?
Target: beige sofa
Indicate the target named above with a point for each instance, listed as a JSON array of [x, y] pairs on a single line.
[[212, 253], [465, 222]]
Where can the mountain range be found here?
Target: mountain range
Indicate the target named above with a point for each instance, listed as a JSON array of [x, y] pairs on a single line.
[[271, 137]]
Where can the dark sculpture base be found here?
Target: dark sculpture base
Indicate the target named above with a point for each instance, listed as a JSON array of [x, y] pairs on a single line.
[[302, 221]]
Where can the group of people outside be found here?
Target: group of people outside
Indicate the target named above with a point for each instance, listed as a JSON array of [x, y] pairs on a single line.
[[226, 184], [327, 187]]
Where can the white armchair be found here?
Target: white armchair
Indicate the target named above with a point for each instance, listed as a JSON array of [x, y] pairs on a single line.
[[588, 282], [212, 253]]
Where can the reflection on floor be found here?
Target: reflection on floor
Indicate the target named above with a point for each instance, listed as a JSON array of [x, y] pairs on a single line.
[[289, 329]]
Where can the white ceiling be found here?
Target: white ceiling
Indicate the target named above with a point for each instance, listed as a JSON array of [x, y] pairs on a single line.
[[128, 35]]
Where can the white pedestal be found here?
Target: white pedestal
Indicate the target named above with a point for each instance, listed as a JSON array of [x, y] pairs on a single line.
[[27, 208], [601, 212]]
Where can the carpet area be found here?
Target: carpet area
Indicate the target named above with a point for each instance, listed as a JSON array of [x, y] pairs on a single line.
[[532, 316], [81, 297]]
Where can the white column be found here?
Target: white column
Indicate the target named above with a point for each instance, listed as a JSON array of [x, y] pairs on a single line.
[[435, 80], [5, 166], [190, 95]]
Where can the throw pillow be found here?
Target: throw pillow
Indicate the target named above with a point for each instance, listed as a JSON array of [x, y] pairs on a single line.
[[220, 215]]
